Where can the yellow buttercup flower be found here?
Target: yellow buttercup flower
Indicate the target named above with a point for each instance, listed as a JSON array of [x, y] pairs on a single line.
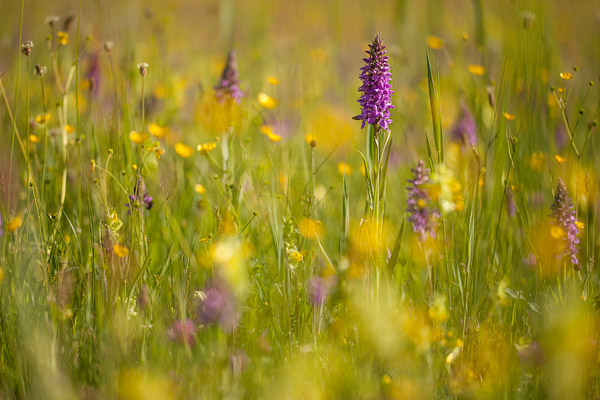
[[120, 251], [580, 225], [557, 232], [508, 117], [560, 159], [34, 138], [476, 69], [183, 150], [310, 228], [566, 75], [156, 130], [138, 137], [206, 148], [344, 169], [273, 80], [200, 189], [435, 42], [63, 38], [309, 138], [266, 101], [268, 131], [159, 92], [297, 256], [41, 119], [14, 224], [69, 128]]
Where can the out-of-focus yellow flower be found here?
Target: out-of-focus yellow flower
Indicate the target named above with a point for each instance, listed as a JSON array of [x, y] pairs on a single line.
[[133, 385], [266, 101], [273, 80], [332, 129], [464, 36], [183, 150], [435, 42], [206, 148], [557, 232], [344, 169], [218, 116], [138, 137], [560, 159], [508, 117], [566, 75], [309, 138], [14, 224], [476, 69], [120, 251], [156, 130], [268, 131], [310, 228], [538, 159], [42, 119], [199, 188], [159, 92], [158, 152], [34, 138], [580, 225], [453, 355], [229, 258], [69, 128], [438, 311], [447, 190], [63, 38]]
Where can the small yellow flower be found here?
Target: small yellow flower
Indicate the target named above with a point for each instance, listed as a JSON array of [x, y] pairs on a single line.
[[560, 159], [120, 251], [183, 150], [309, 137], [435, 42], [156, 130], [386, 380], [464, 36], [580, 225], [566, 75], [344, 169], [297, 256], [476, 69], [138, 137], [273, 80], [159, 151], [266, 101], [268, 131], [14, 224], [69, 128], [41, 119], [200, 189], [134, 167], [63, 38], [34, 138], [206, 148], [509, 117], [421, 203]]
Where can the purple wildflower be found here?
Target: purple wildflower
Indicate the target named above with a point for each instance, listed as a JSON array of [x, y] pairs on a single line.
[[319, 289], [376, 98], [228, 85], [465, 130], [183, 332], [140, 197], [422, 217], [564, 215], [219, 306]]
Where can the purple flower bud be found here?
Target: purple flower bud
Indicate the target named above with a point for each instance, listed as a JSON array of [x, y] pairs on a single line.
[[423, 218], [319, 289], [376, 98], [139, 197], [228, 85], [219, 306], [465, 130], [564, 215], [183, 332]]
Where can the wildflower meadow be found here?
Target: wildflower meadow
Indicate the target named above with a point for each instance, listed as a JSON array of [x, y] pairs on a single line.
[[310, 199]]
